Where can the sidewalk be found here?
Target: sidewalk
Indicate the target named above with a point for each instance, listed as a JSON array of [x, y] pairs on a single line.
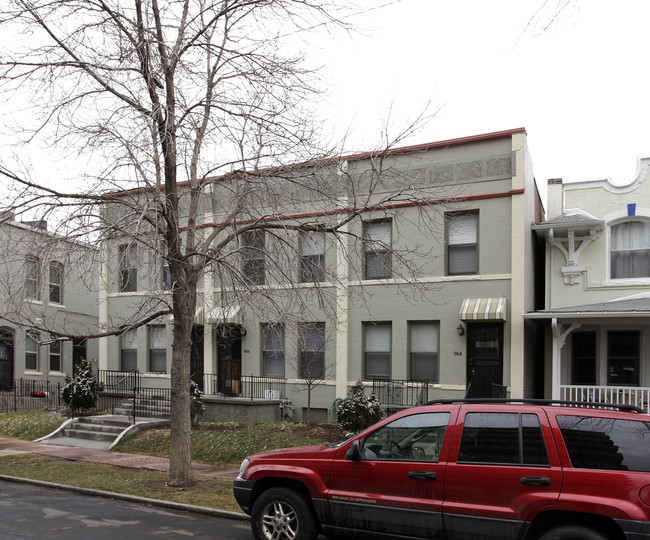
[[133, 461]]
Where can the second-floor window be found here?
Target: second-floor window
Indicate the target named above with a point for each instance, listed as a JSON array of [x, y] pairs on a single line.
[[273, 350], [311, 339], [56, 282], [462, 243], [377, 347], [377, 249], [630, 250], [312, 262], [253, 257], [157, 349], [128, 268], [32, 278]]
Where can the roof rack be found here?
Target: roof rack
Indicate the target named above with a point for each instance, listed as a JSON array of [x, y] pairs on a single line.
[[590, 404]]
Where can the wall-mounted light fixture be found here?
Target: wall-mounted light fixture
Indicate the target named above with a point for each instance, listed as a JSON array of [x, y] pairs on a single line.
[[460, 330], [242, 331]]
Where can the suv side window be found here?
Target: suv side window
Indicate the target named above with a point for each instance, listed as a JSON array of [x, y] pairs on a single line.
[[417, 437], [606, 443], [502, 438]]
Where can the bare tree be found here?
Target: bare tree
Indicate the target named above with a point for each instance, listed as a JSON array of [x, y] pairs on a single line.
[[187, 113]]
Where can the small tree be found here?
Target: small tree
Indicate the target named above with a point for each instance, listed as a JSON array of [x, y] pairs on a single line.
[[197, 407], [358, 410], [80, 392]]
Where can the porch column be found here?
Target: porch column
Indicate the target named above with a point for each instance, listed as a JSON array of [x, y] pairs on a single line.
[[556, 363]]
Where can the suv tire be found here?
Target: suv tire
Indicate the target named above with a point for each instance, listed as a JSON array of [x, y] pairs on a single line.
[[282, 514], [572, 532]]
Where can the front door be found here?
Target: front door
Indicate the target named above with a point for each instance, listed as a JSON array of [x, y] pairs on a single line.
[[6, 359], [229, 359], [484, 359], [196, 357]]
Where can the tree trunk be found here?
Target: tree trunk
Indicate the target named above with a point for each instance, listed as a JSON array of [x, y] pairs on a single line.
[[180, 462]]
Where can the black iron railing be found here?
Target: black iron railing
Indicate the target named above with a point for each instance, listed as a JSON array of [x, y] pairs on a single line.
[[29, 395], [247, 386], [122, 382], [400, 393]]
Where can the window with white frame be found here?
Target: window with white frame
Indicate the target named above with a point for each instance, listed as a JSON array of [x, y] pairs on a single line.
[[273, 349], [377, 236], [311, 342], [583, 358], [462, 243], [623, 357], [253, 256], [630, 250], [129, 350], [56, 282], [312, 262], [128, 268], [424, 343], [31, 351], [32, 278], [158, 349], [55, 356], [377, 350]]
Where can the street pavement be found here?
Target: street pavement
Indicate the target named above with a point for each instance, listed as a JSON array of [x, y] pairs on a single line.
[[76, 453]]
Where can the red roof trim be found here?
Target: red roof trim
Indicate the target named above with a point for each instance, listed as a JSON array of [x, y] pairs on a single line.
[[361, 156]]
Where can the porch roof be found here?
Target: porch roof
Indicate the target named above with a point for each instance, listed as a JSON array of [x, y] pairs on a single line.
[[631, 306]]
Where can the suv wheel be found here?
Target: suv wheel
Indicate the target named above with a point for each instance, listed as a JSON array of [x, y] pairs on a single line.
[[282, 514], [572, 532]]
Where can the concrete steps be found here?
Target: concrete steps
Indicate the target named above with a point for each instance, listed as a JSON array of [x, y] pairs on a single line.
[[96, 428], [150, 407]]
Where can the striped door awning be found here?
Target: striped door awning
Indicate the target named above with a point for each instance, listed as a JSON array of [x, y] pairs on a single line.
[[478, 309]]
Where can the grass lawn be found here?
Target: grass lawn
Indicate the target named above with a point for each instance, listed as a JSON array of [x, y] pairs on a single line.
[[219, 444]]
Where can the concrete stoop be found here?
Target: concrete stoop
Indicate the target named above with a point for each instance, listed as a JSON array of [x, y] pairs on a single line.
[[146, 407], [98, 432]]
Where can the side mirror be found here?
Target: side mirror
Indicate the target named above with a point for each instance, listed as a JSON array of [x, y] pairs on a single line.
[[354, 452]]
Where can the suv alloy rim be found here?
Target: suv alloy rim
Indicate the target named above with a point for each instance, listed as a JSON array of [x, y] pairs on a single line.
[[279, 521]]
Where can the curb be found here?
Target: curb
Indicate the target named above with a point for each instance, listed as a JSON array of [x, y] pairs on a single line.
[[131, 498]]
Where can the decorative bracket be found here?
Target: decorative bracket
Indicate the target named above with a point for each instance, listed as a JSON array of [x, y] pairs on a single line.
[[567, 246]]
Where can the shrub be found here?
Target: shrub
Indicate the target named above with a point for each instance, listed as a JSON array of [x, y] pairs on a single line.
[[80, 392], [358, 410], [196, 406]]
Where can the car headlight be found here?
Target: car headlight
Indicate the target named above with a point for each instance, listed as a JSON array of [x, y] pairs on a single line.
[[243, 467]]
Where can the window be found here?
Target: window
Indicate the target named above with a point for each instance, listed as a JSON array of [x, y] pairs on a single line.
[[55, 356], [31, 352], [424, 339], [462, 253], [377, 350], [623, 353], [56, 282], [129, 350], [311, 338], [583, 358], [253, 257], [312, 263], [630, 250], [128, 268], [503, 438], [413, 438], [273, 350], [377, 249], [157, 349], [606, 443], [32, 278]]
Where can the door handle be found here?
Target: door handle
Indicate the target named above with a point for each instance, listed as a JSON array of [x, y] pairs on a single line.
[[423, 475], [535, 480]]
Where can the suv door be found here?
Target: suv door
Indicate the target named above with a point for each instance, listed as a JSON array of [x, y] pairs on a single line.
[[394, 483], [503, 465]]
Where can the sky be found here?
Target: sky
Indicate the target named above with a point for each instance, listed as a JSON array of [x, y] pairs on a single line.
[[577, 82]]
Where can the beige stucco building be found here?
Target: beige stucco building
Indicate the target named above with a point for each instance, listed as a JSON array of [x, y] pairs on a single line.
[[422, 297]]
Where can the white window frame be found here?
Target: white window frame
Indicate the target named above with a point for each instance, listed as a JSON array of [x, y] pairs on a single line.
[[424, 347], [56, 285], [377, 249], [377, 350], [33, 278], [611, 250], [312, 256], [462, 235]]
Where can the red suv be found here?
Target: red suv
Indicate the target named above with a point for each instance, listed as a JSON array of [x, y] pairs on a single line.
[[461, 470]]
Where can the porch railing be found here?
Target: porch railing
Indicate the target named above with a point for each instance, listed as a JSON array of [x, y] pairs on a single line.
[[400, 393], [247, 386], [29, 394], [118, 381], [618, 395]]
